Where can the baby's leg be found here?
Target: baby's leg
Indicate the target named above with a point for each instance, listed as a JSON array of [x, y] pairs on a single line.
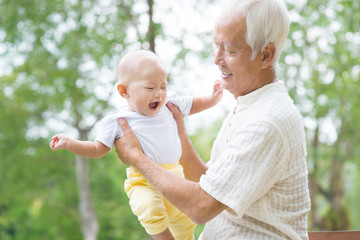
[[148, 205], [180, 225], [165, 235]]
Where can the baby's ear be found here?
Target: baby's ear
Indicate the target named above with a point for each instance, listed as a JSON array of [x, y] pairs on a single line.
[[122, 90]]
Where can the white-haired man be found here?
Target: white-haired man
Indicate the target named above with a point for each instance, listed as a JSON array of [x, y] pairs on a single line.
[[255, 185]]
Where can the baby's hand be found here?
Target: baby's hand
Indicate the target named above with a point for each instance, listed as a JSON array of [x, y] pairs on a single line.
[[218, 90], [58, 142]]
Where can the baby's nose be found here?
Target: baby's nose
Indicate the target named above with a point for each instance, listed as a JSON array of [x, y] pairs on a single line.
[[158, 93]]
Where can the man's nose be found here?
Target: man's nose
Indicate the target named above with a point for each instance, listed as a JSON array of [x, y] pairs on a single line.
[[219, 57]]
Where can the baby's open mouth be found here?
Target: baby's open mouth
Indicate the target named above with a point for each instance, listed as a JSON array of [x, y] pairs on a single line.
[[154, 105]]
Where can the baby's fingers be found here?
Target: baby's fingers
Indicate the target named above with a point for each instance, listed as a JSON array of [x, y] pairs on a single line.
[[52, 145], [218, 85], [55, 140]]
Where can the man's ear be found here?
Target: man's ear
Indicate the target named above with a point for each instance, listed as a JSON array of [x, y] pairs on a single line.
[[268, 55], [122, 90]]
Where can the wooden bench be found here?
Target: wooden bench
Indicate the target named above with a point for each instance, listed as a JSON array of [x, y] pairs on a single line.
[[335, 235]]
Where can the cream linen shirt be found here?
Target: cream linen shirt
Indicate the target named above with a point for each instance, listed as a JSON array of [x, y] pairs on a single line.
[[258, 169]]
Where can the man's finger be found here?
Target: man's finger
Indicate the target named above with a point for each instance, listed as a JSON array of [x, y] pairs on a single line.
[[173, 109], [170, 106], [123, 124]]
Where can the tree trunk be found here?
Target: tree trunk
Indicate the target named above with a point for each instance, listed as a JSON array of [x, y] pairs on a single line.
[[151, 30], [90, 225], [336, 184], [315, 218], [337, 217]]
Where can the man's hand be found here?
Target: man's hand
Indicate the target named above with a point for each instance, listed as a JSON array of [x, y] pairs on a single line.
[[178, 118], [128, 146]]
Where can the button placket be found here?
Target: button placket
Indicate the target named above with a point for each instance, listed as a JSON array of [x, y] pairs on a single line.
[[230, 124]]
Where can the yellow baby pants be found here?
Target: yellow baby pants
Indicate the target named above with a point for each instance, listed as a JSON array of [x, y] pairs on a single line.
[[154, 212]]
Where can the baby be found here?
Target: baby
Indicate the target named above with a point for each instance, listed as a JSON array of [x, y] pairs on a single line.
[[142, 82]]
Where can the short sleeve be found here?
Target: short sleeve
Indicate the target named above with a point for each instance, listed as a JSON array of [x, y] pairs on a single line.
[[109, 130], [184, 103], [248, 167]]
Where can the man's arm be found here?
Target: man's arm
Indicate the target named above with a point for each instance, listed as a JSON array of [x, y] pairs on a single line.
[[203, 103], [186, 195], [85, 149], [193, 166]]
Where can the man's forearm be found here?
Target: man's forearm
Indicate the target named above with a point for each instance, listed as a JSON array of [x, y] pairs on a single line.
[[186, 195], [193, 166]]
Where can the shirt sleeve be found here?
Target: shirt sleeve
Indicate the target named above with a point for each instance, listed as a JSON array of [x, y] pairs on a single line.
[[249, 166], [109, 130], [184, 103]]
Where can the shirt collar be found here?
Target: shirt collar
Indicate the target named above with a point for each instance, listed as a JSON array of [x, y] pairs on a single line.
[[252, 97]]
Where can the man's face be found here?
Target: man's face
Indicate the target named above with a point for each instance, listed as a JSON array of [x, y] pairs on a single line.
[[233, 55]]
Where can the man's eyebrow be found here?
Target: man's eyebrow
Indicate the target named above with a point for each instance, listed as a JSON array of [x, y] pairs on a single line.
[[227, 44], [223, 43]]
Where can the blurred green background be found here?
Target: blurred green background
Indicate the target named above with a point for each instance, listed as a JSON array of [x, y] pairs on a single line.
[[57, 74]]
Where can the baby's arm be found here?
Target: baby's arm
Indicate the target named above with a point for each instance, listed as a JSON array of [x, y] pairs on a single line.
[[85, 149], [203, 103]]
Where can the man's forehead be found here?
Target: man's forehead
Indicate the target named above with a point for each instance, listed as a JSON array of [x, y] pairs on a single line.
[[230, 34]]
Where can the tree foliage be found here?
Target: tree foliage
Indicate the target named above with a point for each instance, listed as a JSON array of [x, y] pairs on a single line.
[[58, 54], [322, 71], [57, 71]]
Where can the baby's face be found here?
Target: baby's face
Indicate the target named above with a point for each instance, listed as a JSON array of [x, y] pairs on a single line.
[[147, 93]]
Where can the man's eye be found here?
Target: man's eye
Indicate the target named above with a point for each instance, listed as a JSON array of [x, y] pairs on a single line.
[[149, 88], [229, 50]]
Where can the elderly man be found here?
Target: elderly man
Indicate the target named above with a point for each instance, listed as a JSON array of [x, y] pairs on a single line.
[[255, 185]]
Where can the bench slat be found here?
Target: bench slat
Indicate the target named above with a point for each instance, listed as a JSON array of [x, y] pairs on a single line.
[[335, 235]]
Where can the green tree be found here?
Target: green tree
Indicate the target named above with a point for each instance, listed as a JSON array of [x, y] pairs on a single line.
[[322, 72], [58, 53], [56, 78], [57, 70]]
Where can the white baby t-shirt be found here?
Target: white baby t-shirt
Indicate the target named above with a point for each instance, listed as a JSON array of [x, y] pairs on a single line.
[[157, 134]]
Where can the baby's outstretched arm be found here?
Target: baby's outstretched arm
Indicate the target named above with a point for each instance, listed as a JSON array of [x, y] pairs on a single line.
[[203, 103], [85, 149]]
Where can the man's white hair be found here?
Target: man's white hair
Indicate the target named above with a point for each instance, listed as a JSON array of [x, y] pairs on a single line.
[[266, 21]]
